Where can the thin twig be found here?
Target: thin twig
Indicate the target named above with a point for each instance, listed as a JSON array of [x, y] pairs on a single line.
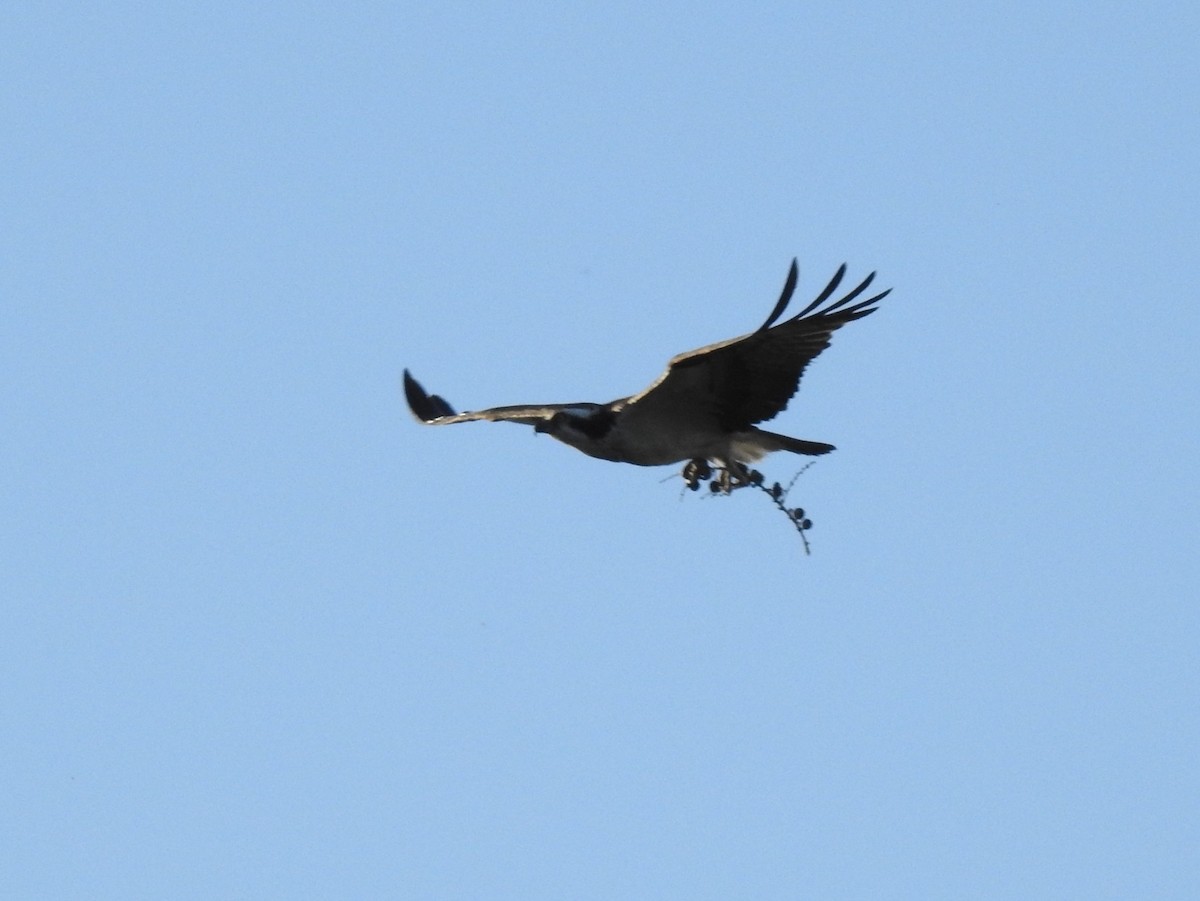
[[726, 480]]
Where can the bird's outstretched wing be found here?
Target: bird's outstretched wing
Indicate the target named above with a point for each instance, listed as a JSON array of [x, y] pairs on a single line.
[[750, 379], [434, 410]]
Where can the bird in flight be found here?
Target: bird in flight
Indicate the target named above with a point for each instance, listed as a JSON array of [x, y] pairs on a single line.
[[707, 405]]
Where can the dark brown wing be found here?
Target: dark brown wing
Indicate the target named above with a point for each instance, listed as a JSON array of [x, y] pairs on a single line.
[[750, 379], [434, 410]]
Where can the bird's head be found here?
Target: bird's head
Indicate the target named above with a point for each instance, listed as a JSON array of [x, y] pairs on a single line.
[[561, 423], [547, 426], [583, 429]]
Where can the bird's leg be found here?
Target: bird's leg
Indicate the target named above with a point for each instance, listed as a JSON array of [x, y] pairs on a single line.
[[727, 480], [739, 474], [723, 482], [732, 475], [723, 476], [695, 472]]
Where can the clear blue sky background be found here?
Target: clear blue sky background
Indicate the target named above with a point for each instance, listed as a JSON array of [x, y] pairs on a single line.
[[264, 637]]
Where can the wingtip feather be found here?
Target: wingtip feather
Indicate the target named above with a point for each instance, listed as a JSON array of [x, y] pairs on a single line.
[[785, 296], [425, 406]]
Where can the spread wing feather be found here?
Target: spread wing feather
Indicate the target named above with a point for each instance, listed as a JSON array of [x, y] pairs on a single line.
[[433, 409], [750, 379]]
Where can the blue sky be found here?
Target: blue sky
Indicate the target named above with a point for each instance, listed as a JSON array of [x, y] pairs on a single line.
[[265, 637]]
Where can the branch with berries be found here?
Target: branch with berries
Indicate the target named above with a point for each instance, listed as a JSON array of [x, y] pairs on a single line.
[[727, 479]]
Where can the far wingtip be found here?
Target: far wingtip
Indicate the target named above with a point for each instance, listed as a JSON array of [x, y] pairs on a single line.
[[418, 400], [425, 406]]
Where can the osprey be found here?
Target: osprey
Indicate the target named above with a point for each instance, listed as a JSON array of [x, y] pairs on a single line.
[[707, 404]]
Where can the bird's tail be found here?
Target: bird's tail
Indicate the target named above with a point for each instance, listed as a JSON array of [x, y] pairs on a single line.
[[772, 441]]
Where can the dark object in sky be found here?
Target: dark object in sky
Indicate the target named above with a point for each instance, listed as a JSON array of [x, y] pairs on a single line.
[[705, 406]]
